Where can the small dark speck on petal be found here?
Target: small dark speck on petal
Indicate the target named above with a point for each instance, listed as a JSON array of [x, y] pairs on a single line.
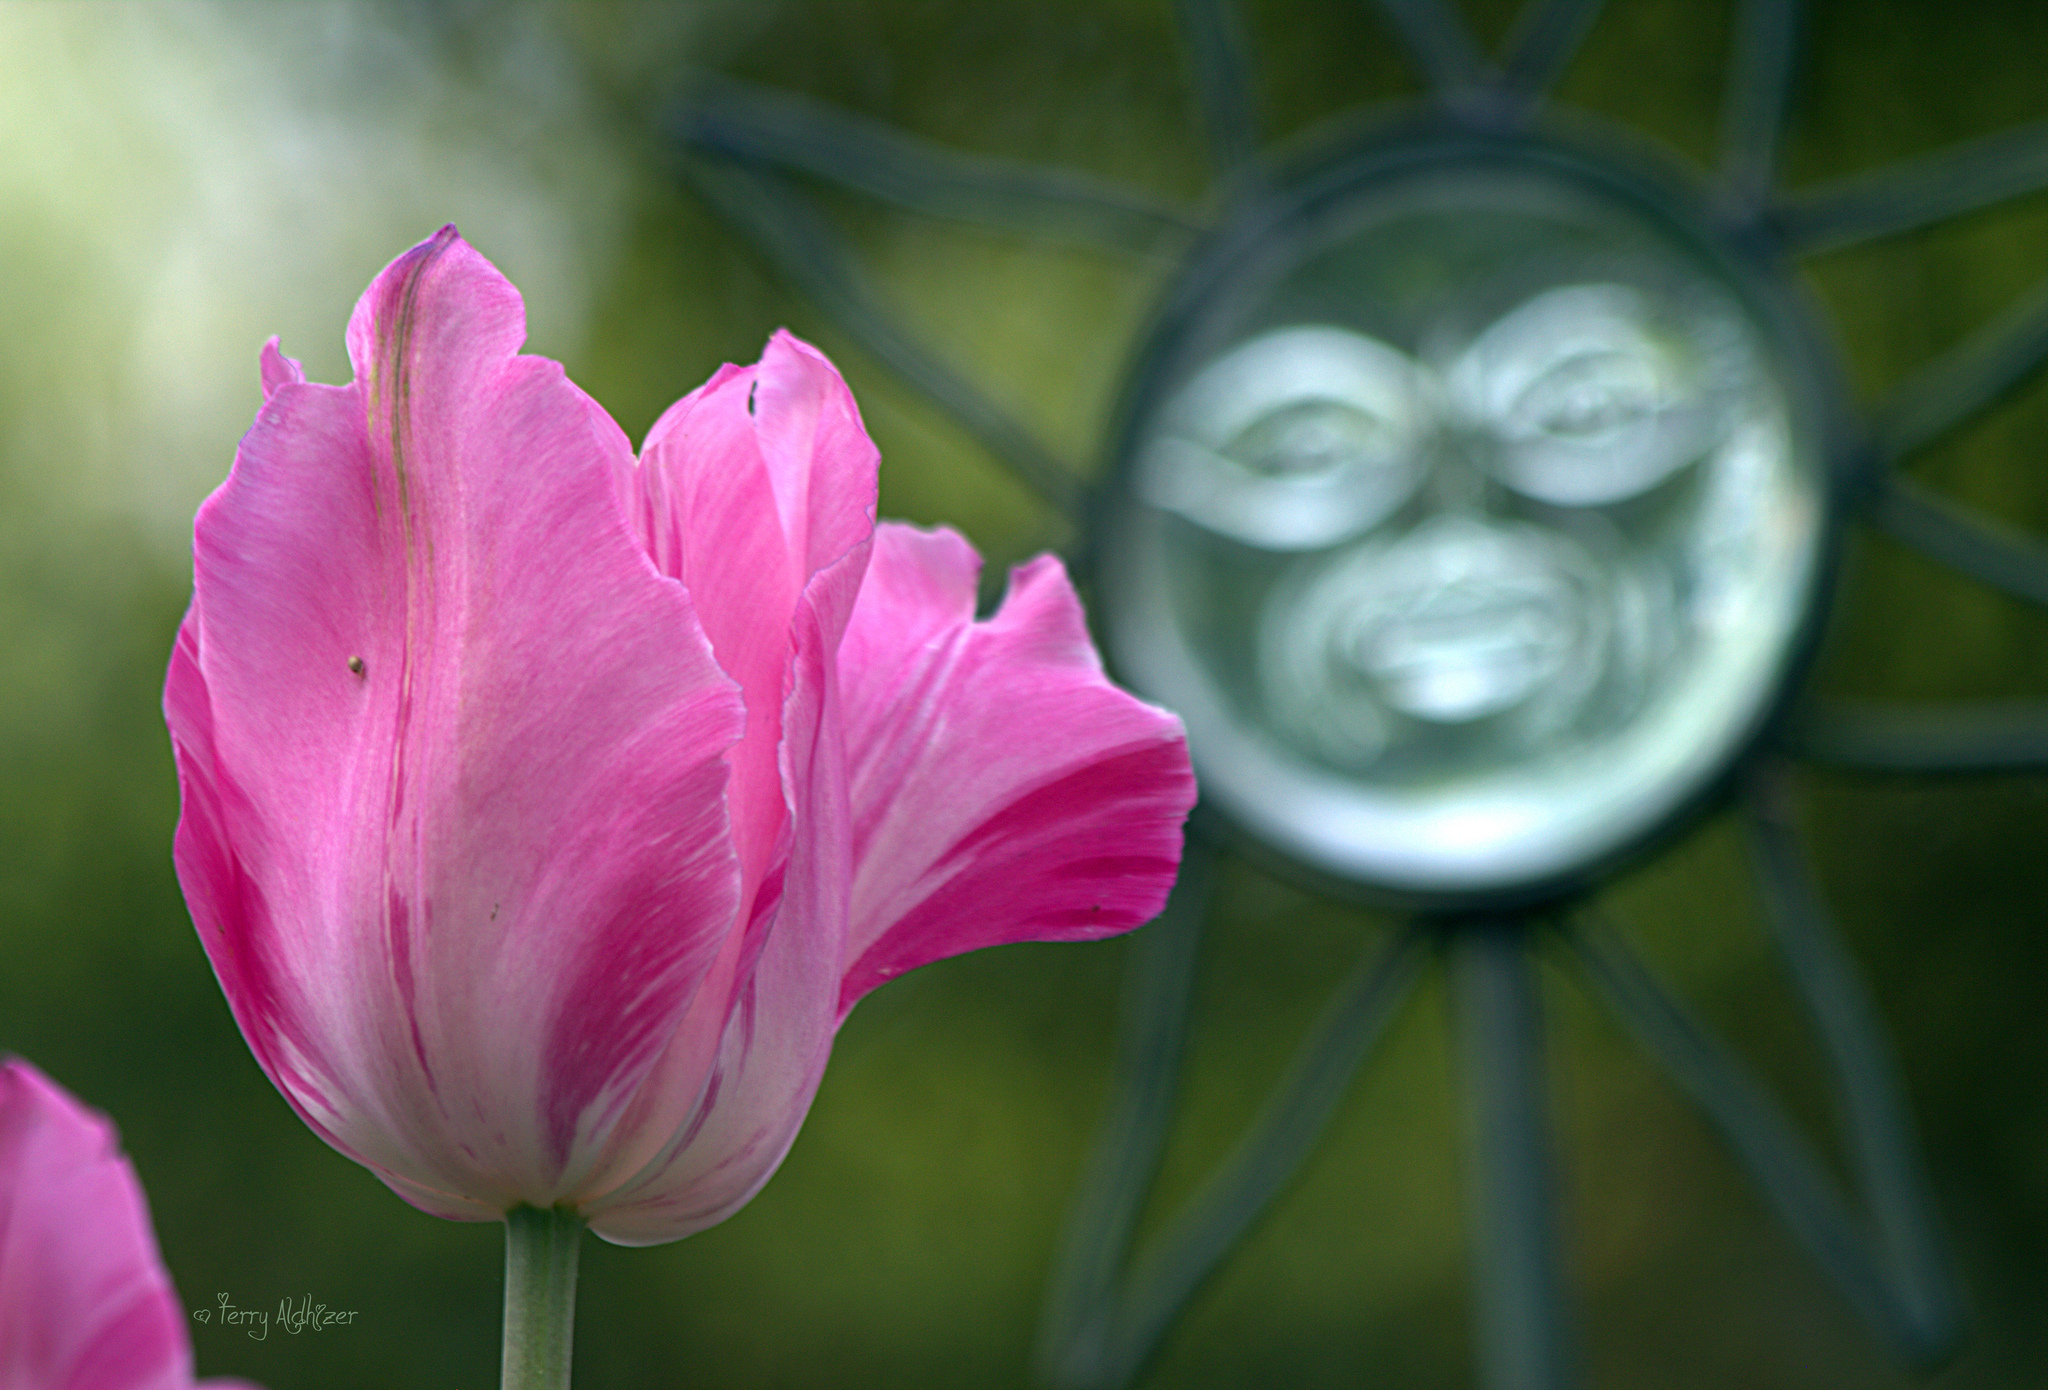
[[355, 665]]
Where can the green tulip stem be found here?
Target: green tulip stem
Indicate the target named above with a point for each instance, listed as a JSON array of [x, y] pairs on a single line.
[[540, 1296]]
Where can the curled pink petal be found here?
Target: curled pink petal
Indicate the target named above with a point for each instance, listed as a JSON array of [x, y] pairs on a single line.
[[84, 1300], [278, 370], [1002, 789]]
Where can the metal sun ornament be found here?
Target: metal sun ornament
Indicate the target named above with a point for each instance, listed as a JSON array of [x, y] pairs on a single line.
[[1473, 513], [1475, 500]]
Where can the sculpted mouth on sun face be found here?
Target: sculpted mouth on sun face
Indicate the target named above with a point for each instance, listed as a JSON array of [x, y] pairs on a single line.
[[1476, 546]]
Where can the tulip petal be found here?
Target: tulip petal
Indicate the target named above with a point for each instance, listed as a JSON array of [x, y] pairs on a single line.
[[771, 1038], [278, 370], [452, 754], [752, 484], [84, 1300], [760, 494], [1002, 790]]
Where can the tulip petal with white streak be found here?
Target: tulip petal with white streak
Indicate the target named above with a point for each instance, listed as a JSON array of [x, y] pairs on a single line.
[[1003, 790], [545, 809], [84, 1300]]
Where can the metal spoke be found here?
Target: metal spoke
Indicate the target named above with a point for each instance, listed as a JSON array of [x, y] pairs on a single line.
[[1759, 90], [795, 132], [1878, 1126], [1440, 42], [1152, 1036], [1969, 544], [1546, 38], [2001, 737], [810, 253], [1959, 385], [1911, 195], [1769, 1147], [1220, 64], [1262, 1163], [1522, 1336]]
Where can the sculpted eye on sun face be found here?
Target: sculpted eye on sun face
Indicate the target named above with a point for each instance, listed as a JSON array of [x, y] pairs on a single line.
[[1291, 441], [1593, 396]]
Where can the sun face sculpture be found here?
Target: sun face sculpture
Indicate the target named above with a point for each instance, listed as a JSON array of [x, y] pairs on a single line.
[[1473, 520], [1475, 498]]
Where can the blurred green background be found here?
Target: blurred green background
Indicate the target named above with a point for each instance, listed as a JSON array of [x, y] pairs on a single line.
[[180, 181]]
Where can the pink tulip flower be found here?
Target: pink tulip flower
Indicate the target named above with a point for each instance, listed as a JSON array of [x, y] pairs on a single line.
[[545, 809], [85, 1303]]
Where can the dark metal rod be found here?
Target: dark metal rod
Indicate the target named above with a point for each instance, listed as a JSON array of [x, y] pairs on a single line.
[[811, 255], [1220, 66], [1911, 195], [797, 132], [1956, 387], [1522, 1336], [1546, 37], [1073, 1346], [1266, 1159], [2003, 736], [1759, 89], [1946, 533], [1878, 1126], [1439, 41], [1782, 1164]]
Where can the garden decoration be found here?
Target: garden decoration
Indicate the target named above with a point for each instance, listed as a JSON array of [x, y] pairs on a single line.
[[1475, 497]]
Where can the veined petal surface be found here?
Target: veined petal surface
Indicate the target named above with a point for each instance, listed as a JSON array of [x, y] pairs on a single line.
[[766, 1042], [84, 1300], [759, 492], [453, 757], [1002, 790]]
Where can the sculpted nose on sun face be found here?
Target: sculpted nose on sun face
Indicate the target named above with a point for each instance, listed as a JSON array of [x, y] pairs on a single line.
[[1461, 620], [1456, 611], [1447, 626]]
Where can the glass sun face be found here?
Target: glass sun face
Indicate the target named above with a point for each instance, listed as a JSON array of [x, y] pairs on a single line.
[[1475, 532]]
